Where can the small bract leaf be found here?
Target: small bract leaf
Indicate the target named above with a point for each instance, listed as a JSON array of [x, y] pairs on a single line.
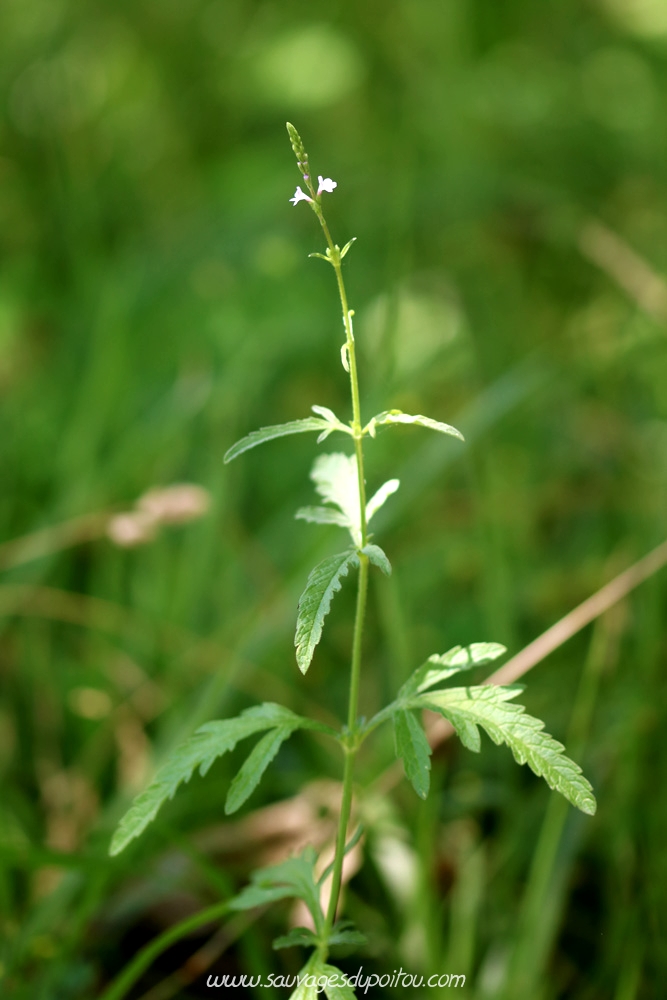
[[347, 247], [394, 417], [323, 582], [414, 750]]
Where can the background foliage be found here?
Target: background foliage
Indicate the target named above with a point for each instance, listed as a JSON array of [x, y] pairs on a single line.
[[497, 161]]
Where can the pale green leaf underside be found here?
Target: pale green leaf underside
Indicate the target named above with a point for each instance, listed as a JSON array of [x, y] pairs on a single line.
[[325, 423], [323, 582], [439, 668], [395, 417], [487, 706], [378, 558], [413, 749], [199, 752], [336, 480], [322, 515], [378, 498]]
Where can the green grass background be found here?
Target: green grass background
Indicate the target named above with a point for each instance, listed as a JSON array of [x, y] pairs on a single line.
[[157, 302]]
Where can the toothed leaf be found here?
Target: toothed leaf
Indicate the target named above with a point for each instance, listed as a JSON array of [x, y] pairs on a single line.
[[277, 430], [323, 582], [487, 707], [439, 668], [209, 742], [250, 775]]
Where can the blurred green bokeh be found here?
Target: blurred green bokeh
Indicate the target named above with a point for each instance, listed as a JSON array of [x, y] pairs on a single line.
[[504, 168]]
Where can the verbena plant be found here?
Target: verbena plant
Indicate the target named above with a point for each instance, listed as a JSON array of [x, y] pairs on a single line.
[[340, 481]]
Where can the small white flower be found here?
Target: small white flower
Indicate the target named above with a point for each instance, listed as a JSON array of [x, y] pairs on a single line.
[[299, 195], [326, 184]]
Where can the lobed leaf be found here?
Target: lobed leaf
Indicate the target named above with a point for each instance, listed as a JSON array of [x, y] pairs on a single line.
[[378, 558], [323, 582], [250, 774], [394, 417], [211, 741], [414, 750], [487, 706], [439, 668]]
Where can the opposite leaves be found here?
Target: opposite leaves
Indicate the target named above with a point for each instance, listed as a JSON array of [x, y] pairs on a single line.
[[210, 742]]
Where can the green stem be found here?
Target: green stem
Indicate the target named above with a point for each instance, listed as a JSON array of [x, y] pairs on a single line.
[[352, 744], [120, 986]]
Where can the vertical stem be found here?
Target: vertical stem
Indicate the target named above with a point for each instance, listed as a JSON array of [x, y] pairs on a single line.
[[362, 590]]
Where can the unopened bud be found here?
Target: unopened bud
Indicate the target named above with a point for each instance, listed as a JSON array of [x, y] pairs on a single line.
[[299, 151]]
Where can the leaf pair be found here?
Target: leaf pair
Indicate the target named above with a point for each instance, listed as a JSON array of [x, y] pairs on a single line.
[[467, 708], [327, 422], [210, 742]]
